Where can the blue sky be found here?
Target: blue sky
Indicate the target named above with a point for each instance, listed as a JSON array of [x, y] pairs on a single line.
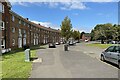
[[84, 15]]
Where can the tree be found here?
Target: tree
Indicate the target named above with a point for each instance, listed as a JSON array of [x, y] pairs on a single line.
[[81, 34], [106, 32], [92, 35], [76, 35], [66, 28]]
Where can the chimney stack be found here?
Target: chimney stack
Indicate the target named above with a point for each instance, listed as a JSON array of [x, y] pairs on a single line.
[[27, 18]]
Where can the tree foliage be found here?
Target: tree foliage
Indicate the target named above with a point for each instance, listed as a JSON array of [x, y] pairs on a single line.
[[76, 35], [66, 28], [106, 32], [81, 34]]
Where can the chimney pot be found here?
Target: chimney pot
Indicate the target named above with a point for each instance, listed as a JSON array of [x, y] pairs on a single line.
[[27, 18]]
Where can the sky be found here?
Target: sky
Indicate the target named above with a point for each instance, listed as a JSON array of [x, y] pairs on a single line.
[[84, 15]]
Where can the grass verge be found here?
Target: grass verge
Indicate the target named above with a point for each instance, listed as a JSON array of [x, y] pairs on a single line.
[[14, 65], [103, 46]]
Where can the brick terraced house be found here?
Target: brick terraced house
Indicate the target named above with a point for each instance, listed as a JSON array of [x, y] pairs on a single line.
[[18, 31]]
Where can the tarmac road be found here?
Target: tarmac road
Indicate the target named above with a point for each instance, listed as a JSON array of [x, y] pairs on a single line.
[[75, 63]]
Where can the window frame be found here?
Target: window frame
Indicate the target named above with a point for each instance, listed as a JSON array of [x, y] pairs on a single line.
[[13, 18], [20, 21], [13, 42], [2, 8], [107, 50], [2, 43], [3, 25], [24, 24], [117, 49], [13, 29]]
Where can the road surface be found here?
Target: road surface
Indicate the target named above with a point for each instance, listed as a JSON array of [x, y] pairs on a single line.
[[75, 63]]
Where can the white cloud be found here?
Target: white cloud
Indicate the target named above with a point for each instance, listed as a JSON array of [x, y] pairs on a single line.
[[52, 4], [104, 0], [63, 0], [20, 3], [80, 29], [47, 24], [73, 5], [65, 4]]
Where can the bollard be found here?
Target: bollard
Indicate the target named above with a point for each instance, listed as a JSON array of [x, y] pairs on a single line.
[[66, 47], [27, 55]]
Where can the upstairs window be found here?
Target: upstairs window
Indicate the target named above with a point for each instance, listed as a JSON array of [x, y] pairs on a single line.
[[28, 25], [19, 21], [13, 42], [1, 8], [24, 23], [2, 43], [20, 32], [13, 30], [13, 18], [2, 25]]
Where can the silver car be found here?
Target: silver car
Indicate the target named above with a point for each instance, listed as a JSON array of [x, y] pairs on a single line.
[[112, 54]]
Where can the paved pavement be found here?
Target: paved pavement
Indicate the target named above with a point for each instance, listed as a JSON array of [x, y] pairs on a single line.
[[56, 63]]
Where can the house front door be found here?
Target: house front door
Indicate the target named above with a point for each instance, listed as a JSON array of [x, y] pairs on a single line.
[[19, 42]]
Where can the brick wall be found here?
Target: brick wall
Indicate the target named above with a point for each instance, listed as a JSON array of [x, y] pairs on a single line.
[[20, 31]]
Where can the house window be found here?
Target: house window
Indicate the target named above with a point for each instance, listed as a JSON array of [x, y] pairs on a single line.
[[28, 25], [1, 8], [2, 25], [19, 21], [19, 31], [13, 30], [24, 32], [13, 42], [13, 18], [24, 41], [20, 34], [2, 43], [24, 23]]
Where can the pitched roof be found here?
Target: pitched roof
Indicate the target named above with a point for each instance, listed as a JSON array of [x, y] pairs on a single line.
[[32, 23]]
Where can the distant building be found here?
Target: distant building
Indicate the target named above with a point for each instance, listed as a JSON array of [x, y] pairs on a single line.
[[86, 36], [17, 31]]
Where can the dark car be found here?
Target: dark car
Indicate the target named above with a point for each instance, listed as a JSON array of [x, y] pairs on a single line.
[[111, 54], [52, 45], [71, 43]]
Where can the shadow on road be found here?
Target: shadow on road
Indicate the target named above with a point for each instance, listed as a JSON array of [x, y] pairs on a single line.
[[115, 65]]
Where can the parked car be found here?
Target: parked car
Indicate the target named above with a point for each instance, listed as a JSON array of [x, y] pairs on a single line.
[[61, 42], [52, 45], [112, 54], [86, 40], [112, 42], [74, 42], [77, 41], [71, 43], [57, 43]]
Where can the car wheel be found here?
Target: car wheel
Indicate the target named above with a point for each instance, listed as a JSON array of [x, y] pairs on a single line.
[[102, 58]]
